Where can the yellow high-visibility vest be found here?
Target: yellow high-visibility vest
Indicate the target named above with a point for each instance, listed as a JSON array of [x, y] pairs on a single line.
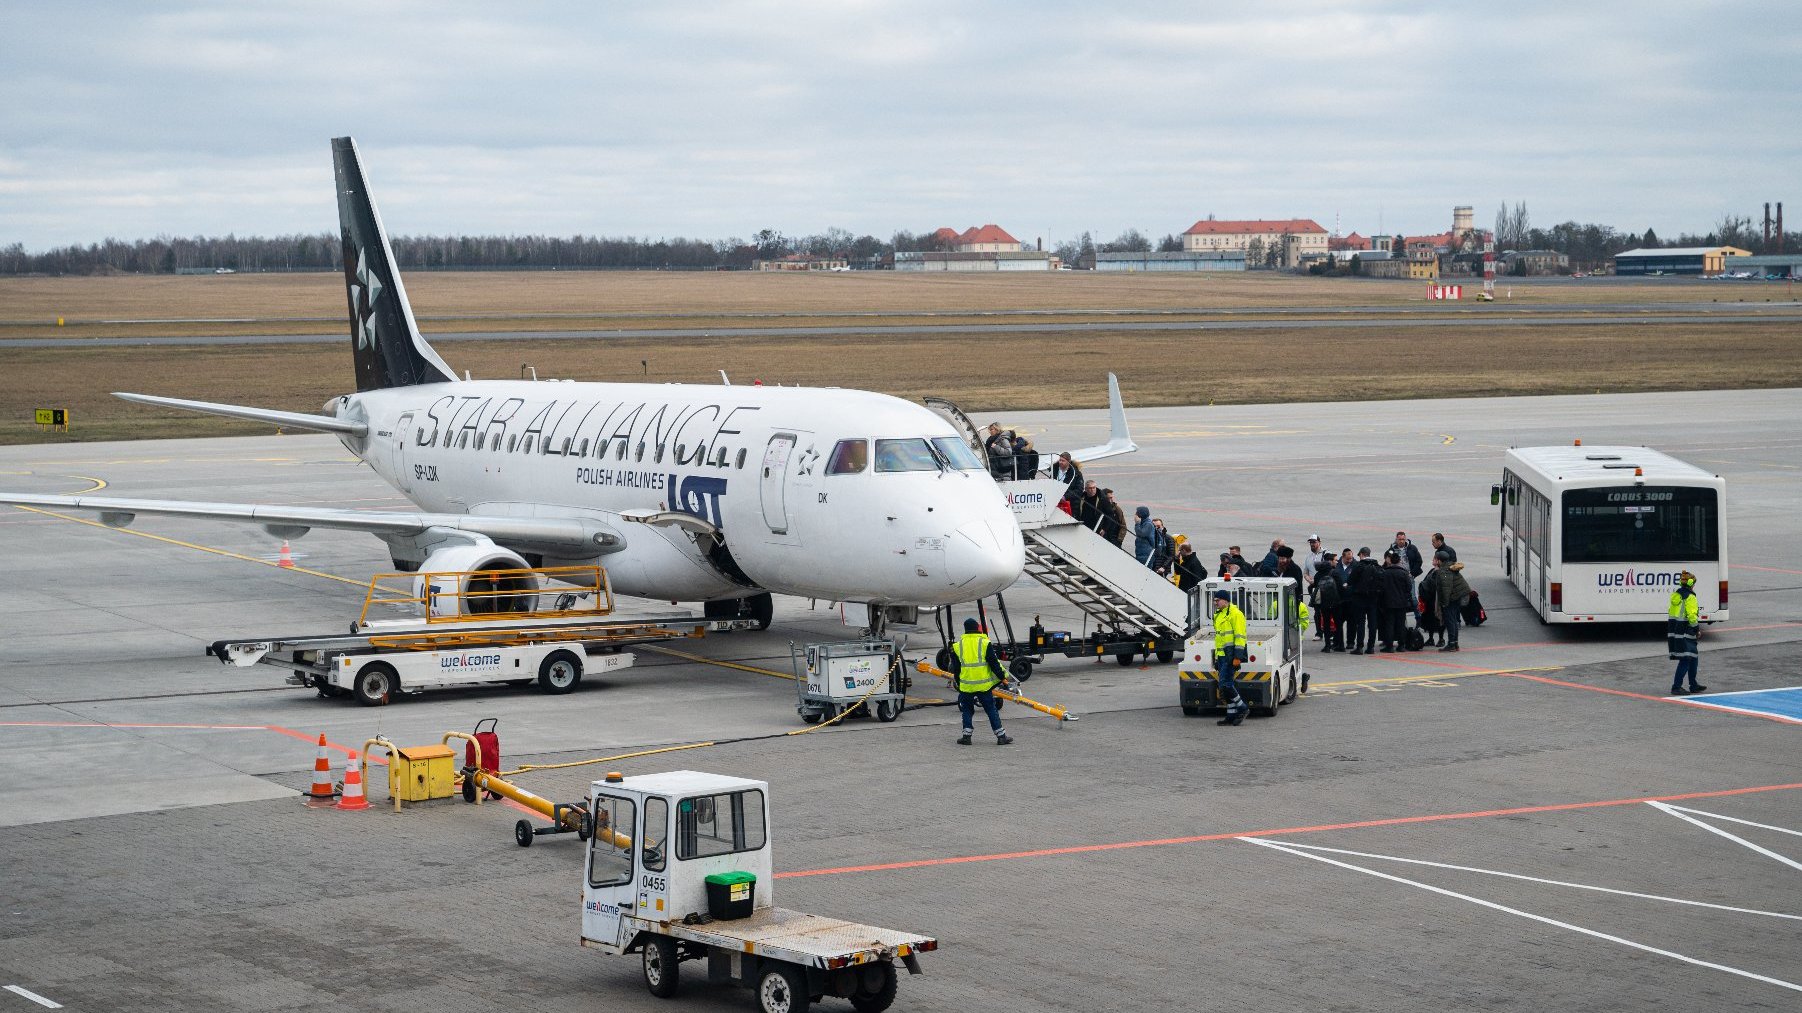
[[1229, 631], [973, 672]]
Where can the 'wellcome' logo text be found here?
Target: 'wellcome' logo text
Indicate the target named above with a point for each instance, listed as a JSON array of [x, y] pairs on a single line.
[[1630, 580]]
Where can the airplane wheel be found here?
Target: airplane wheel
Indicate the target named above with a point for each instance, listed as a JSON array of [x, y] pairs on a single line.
[[763, 609], [942, 660]]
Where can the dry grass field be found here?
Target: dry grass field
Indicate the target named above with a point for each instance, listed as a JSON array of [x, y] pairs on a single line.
[[539, 300], [985, 373]]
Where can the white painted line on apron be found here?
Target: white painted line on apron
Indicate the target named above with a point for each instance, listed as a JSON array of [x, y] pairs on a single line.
[[1547, 882], [1542, 919], [34, 997]]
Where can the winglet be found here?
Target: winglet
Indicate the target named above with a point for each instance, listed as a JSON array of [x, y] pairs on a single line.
[[1119, 438]]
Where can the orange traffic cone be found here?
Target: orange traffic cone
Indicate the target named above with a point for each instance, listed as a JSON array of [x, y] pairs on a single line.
[[286, 559], [353, 797], [322, 792]]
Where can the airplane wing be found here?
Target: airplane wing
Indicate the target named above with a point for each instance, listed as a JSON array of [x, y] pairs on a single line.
[[1119, 440], [574, 536]]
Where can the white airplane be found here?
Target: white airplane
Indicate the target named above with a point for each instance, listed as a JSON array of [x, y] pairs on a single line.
[[683, 492]]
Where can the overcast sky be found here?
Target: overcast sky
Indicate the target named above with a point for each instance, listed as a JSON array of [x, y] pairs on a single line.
[[136, 119]]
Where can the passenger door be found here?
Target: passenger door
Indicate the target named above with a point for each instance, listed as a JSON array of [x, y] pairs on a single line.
[[774, 482], [397, 452], [609, 891]]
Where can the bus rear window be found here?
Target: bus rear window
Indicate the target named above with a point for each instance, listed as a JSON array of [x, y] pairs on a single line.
[[1641, 524]]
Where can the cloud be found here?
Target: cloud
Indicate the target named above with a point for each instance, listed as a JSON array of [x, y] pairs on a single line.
[[712, 120]]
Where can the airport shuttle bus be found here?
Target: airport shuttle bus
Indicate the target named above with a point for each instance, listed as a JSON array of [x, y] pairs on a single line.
[[1601, 534]]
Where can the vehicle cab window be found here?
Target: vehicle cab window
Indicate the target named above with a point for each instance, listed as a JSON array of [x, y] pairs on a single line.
[[610, 849], [905, 455], [849, 457]]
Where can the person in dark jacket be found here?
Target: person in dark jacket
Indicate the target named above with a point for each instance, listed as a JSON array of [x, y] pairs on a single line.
[[1088, 507], [1409, 556], [1227, 567], [1238, 560], [1398, 601], [1066, 471], [1113, 520], [1145, 535], [1026, 459], [1430, 622], [1325, 592], [999, 446], [1163, 548], [1439, 546], [1189, 571], [1285, 567], [1365, 585], [1267, 565], [1453, 591]]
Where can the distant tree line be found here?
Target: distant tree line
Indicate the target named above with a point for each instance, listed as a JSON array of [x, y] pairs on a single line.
[[1588, 246], [1591, 246]]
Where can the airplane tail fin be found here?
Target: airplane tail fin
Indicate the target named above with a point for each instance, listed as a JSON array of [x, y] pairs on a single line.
[[387, 346]]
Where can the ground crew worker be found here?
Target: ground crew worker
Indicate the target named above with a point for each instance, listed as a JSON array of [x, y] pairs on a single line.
[[1683, 632], [1229, 654], [977, 666]]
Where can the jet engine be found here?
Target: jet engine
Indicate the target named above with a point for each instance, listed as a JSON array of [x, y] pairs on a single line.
[[474, 580]]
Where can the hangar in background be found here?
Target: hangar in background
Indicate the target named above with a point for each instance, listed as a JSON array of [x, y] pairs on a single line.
[[1678, 260], [1220, 260]]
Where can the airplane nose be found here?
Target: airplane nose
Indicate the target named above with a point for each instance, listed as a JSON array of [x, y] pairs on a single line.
[[982, 560]]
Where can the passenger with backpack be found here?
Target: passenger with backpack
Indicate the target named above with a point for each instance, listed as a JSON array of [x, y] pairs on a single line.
[[1453, 595]]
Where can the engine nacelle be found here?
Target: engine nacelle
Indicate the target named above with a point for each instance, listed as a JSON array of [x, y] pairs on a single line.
[[476, 580]]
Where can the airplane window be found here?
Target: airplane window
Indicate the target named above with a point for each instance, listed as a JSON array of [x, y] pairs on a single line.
[[447, 437], [512, 441], [564, 449], [679, 448], [525, 445], [582, 448], [639, 455], [659, 455], [957, 453], [849, 458], [494, 442], [741, 457], [622, 451], [421, 439], [463, 439], [905, 455]]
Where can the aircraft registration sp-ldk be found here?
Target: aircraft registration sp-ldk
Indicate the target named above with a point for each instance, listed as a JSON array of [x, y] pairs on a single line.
[[683, 492]]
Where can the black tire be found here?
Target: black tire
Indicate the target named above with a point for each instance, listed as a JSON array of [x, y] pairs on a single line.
[[662, 968], [1269, 710], [812, 717], [887, 710], [1304, 682], [560, 672], [782, 988], [1020, 669], [762, 609], [942, 660], [1192, 709], [375, 684], [1166, 657], [875, 1000], [522, 833], [1125, 660]]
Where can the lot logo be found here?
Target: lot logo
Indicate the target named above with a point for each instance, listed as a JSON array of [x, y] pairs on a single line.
[[698, 496], [1630, 580]]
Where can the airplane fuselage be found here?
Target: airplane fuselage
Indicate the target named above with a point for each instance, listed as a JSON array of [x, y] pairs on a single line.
[[801, 510]]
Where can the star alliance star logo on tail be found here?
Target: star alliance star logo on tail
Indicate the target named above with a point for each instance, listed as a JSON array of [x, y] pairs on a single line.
[[362, 302]]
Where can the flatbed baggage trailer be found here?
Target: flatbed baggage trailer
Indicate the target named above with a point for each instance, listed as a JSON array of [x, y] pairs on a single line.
[[712, 898]]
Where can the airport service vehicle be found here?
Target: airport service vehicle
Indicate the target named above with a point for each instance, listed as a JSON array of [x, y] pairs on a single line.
[[678, 870], [716, 494], [475, 627], [1602, 534], [865, 675], [1271, 675]]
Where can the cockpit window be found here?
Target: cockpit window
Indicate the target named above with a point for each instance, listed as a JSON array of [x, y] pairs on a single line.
[[957, 453], [905, 455], [849, 458]]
